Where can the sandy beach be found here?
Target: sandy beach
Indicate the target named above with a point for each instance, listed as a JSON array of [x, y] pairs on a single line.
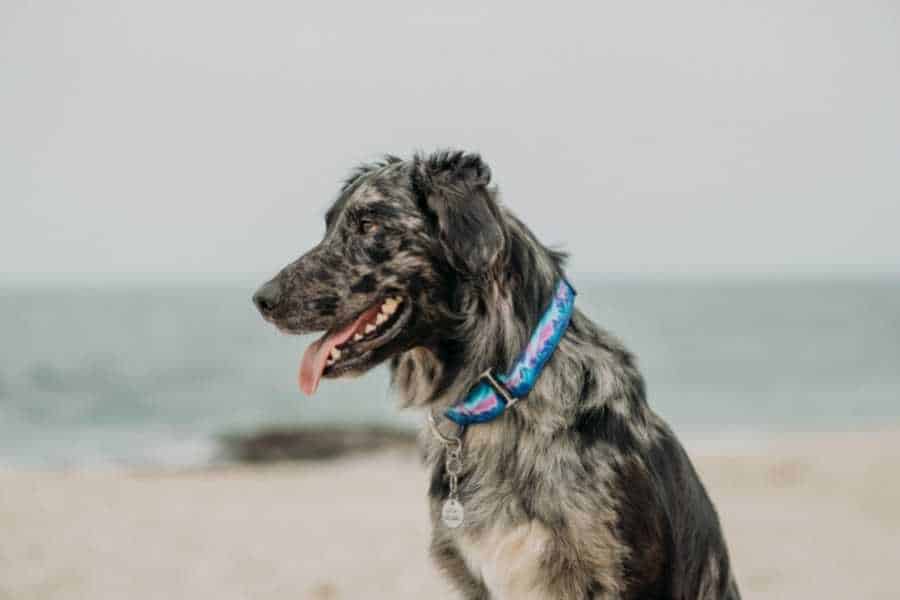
[[813, 515]]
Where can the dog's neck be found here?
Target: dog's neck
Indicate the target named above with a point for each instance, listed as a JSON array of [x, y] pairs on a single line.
[[496, 318]]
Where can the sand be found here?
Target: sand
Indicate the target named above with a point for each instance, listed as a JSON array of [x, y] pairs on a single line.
[[806, 516]]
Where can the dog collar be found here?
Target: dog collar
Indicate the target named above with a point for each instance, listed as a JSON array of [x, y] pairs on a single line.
[[492, 394]]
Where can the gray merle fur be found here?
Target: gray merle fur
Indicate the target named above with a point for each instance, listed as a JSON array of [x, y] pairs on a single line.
[[582, 467]]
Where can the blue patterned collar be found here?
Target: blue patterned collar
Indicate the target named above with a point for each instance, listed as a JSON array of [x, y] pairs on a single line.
[[493, 394]]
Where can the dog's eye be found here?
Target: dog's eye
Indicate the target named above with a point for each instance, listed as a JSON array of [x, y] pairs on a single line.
[[367, 226]]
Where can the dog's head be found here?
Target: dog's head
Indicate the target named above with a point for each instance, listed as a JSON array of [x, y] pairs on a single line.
[[398, 242]]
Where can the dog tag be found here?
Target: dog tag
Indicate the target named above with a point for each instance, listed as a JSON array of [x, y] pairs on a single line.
[[453, 513]]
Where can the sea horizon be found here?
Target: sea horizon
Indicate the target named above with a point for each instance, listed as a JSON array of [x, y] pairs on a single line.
[[153, 373]]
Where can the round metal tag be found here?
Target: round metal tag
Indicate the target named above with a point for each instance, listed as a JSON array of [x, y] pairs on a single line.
[[453, 513]]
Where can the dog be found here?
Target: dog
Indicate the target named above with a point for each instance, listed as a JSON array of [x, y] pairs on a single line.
[[578, 491]]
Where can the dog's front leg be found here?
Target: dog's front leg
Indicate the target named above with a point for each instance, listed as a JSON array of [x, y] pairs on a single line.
[[451, 563]]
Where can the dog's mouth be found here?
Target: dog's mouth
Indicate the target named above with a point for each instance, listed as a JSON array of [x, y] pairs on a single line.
[[353, 347]]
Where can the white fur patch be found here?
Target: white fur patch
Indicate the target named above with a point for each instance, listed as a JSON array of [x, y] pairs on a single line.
[[507, 559]]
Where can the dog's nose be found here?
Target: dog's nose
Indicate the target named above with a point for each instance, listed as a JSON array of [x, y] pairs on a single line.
[[266, 298]]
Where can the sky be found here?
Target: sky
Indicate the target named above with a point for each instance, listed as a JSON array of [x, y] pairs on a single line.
[[205, 139]]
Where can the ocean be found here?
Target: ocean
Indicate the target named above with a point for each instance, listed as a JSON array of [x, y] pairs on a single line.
[[153, 374]]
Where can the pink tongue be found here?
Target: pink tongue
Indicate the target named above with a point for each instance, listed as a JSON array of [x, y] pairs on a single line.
[[313, 363], [315, 357]]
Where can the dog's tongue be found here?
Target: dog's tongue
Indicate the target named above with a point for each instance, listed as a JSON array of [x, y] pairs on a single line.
[[313, 363], [315, 357]]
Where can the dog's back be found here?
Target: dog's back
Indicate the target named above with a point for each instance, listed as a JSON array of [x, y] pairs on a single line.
[[671, 527]]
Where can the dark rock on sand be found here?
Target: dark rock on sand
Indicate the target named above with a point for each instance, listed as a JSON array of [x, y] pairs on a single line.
[[313, 443]]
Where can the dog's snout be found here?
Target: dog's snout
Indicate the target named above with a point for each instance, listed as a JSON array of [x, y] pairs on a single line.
[[266, 297]]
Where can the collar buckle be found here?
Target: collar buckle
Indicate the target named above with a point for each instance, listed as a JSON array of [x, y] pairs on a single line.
[[501, 390]]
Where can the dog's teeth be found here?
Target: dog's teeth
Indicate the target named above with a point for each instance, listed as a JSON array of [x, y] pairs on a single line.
[[389, 307], [398, 299], [335, 354], [329, 362], [357, 337], [381, 318], [370, 328]]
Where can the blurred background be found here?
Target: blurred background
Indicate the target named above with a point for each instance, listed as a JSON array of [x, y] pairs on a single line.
[[724, 174]]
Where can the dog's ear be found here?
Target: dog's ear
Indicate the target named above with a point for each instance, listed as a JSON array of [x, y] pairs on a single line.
[[452, 189]]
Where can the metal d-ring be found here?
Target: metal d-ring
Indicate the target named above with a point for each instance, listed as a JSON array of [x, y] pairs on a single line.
[[446, 440]]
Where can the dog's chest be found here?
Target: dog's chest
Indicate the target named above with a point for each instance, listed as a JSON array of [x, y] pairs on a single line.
[[508, 560]]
